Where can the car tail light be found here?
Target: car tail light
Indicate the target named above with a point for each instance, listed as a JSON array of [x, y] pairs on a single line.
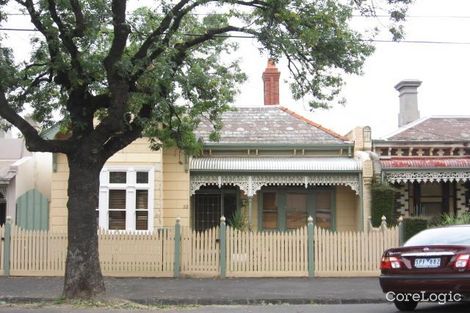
[[389, 263], [462, 261]]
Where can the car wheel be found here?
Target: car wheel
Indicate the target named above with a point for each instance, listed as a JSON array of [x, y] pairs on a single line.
[[406, 305]]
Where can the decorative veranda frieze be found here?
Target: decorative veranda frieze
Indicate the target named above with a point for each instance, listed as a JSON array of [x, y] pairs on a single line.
[[429, 176], [250, 184]]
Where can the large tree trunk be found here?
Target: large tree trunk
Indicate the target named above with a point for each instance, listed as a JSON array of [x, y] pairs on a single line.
[[83, 278]]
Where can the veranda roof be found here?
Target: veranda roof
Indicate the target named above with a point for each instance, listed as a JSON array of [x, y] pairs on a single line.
[[426, 169], [274, 164]]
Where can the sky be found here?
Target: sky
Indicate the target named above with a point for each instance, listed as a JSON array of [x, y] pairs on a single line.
[[371, 98], [444, 70]]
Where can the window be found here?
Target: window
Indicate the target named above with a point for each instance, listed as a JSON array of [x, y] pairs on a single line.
[[296, 210], [270, 211], [290, 208], [126, 199], [323, 209], [210, 204]]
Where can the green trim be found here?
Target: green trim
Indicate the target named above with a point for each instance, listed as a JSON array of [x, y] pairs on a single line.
[[177, 256], [333, 209], [223, 249], [310, 250], [6, 247]]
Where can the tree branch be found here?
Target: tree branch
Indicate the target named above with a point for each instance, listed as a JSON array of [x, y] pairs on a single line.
[[51, 40], [65, 36], [79, 19], [121, 32], [34, 142]]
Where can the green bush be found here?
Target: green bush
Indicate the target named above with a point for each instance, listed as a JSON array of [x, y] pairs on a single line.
[[447, 219], [383, 204], [412, 226], [239, 220]]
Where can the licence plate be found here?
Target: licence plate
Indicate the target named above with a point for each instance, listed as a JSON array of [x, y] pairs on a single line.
[[428, 263]]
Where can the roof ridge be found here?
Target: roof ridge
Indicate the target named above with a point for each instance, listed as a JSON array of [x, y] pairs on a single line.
[[312, 123], [406, 127]]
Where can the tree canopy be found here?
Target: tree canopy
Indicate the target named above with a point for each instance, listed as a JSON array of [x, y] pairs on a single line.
[[160, 69], [117, 70]]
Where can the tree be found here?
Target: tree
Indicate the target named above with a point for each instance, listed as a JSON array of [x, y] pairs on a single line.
[[115, 74]]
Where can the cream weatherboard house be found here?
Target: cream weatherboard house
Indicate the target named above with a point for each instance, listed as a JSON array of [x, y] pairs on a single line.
[[275, 165]]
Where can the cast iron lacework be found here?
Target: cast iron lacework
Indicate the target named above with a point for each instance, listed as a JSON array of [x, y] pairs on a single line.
[[253, 183], [434, 176]]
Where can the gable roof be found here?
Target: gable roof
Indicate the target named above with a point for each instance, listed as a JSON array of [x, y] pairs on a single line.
[[434, 128], [267, 125]]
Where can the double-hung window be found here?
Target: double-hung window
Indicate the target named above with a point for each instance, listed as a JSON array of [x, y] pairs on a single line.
[[126, 199]]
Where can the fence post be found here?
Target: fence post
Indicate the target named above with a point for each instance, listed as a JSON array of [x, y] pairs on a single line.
[[177, 256], [310, 248], [401, 231], [6, 247], [223, 250]]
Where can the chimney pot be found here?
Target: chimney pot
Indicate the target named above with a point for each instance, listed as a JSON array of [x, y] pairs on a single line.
[[408, 90], [271, 83]]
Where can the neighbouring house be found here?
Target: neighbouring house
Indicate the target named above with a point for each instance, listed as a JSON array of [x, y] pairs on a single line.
[[426, 159], [274, 164], [24, 183]]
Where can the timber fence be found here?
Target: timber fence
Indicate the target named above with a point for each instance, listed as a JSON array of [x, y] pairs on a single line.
[[220, 251]]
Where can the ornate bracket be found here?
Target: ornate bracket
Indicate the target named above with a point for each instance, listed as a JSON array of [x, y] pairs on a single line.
[[430, 176]]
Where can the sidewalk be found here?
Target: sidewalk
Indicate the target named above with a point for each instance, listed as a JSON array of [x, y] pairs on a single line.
[[207, 291]]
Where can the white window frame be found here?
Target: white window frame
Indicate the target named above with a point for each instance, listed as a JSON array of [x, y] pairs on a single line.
[[131, 186]]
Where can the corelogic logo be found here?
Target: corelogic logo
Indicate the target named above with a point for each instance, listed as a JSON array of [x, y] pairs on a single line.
[[422, 296]]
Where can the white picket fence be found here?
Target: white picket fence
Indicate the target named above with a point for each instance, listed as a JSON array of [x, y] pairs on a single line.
[[263, 254], [43, 253], [351, 253], [248, 253]]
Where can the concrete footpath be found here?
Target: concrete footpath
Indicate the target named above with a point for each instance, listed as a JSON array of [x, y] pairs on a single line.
[[188, 291]]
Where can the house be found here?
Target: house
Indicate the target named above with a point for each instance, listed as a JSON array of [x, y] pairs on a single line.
[[274, 164], [24, 183], [426, 159]]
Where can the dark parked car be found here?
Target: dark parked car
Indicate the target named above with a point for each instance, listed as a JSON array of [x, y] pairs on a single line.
[[433, 265]]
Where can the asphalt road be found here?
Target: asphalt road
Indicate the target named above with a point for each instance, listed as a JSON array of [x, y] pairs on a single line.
[[345, 308]]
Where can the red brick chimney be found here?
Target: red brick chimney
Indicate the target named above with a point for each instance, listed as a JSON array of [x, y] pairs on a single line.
[[271, 83]]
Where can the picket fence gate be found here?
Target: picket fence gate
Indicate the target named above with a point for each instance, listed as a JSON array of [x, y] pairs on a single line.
[[220, 251]]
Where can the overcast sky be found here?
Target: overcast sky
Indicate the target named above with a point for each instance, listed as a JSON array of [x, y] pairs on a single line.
[[371, 98]]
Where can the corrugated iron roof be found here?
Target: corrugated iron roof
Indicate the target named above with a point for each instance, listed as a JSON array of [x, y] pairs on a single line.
[[275, 164], [421, 163]]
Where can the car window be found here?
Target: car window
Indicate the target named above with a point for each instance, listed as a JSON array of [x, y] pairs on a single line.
[[441, 236]]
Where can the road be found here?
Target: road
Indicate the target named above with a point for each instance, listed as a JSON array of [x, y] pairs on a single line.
[[344, 308]]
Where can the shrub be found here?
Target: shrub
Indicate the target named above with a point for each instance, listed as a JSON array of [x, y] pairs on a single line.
[[383, 204], [412, 226], [239, 220], [447, 219]]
